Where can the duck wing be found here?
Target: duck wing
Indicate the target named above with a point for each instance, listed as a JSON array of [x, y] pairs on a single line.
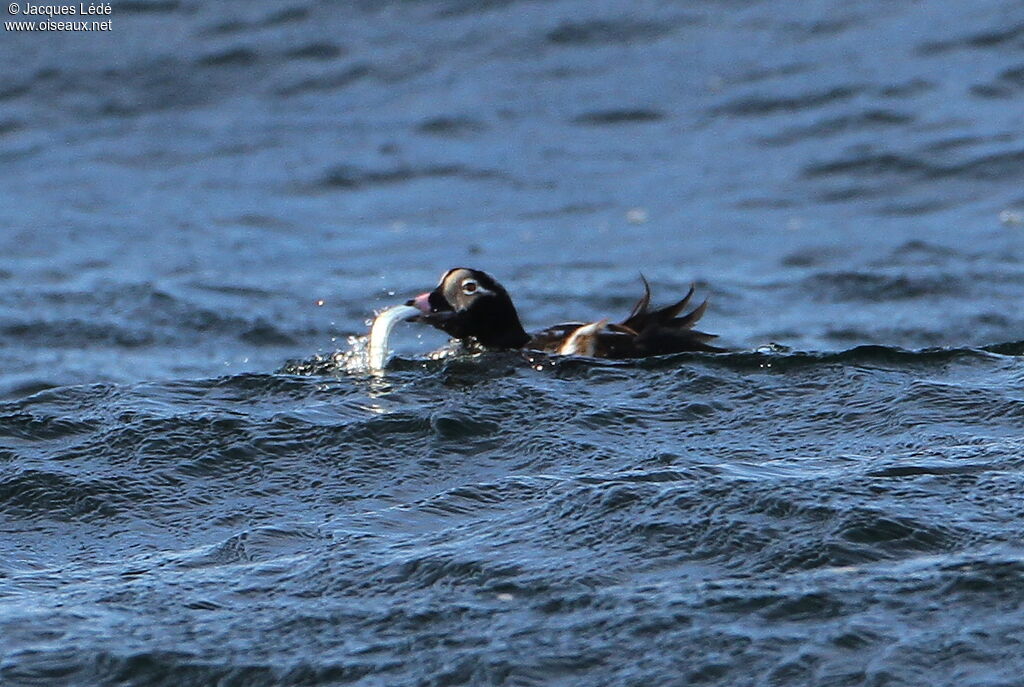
[[551, 339], [644, 332], [599, 339]]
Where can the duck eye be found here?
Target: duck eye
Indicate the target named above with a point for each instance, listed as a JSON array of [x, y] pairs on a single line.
[[469, 286]]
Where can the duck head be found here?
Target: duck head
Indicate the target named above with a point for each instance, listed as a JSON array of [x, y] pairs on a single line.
[[471, 306]]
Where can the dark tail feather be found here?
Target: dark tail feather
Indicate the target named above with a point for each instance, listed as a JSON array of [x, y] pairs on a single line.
[[663, 330], [666, 315], [641, 316], [689, 320], [640, 308]]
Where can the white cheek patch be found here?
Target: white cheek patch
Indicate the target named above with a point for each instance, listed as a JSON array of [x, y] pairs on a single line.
[[477, 291]]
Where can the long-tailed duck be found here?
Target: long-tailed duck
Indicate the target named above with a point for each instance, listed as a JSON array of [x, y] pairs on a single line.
[[475, 309]]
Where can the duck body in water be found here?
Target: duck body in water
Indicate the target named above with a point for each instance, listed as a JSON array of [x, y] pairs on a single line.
[[474, 308]]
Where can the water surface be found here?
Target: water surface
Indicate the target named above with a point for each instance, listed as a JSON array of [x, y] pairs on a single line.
[[180, 505]]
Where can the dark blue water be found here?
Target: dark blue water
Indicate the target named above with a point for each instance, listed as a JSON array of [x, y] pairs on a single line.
[[181, 505]]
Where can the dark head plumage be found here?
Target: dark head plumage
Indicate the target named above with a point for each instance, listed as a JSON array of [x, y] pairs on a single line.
[[470, 305]]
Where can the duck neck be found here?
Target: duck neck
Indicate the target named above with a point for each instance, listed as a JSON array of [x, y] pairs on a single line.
[[502, 330]]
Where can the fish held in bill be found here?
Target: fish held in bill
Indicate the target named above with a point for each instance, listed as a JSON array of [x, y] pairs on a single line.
[[378, 350]]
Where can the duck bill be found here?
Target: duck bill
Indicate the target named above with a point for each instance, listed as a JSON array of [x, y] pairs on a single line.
[[432, 305], [421, 303]]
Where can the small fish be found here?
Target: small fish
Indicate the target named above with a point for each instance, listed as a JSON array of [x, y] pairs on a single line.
[[383, 324]]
